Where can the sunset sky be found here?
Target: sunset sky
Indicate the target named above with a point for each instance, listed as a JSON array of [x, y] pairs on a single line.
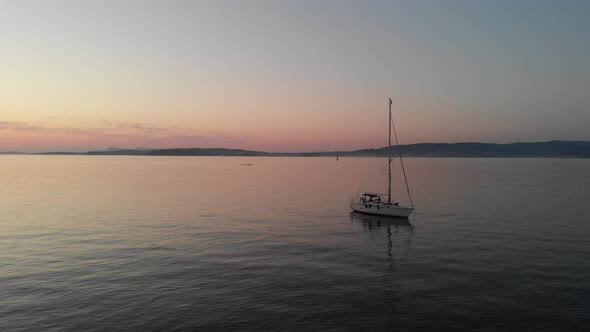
[[290, 75]]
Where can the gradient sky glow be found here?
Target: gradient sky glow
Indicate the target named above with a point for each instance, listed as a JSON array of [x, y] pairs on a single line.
[[290, 75]]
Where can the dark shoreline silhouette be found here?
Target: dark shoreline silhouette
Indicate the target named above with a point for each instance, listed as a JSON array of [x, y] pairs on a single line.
[[550, 149]]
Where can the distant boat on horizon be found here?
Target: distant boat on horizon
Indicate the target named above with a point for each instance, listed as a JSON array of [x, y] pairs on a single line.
[[382, 204]]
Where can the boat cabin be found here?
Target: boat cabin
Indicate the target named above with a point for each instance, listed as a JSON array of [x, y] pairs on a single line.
[[374, 198]]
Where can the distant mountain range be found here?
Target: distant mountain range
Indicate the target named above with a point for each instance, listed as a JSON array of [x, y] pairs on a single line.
[[578, 149], [555, 149]]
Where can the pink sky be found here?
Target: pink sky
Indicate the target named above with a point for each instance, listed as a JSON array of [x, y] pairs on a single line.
[[289, 76]]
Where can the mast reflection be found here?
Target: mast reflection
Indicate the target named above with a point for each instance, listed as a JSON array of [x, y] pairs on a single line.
[[397, 251], [392, 226]]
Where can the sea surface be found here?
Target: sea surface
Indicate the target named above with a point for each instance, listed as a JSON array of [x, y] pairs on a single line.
[[123, 243]]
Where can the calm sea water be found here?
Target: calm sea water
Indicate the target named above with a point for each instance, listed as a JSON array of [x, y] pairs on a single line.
[[206, 243]]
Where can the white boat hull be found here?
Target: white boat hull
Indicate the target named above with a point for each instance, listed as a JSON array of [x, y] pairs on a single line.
[[382, 209], [379, 220]]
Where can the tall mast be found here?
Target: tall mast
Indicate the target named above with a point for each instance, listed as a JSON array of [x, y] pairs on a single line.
[[389, 156], [401, 161]]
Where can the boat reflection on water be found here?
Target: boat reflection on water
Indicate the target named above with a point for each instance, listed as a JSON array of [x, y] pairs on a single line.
[[399, 237], [393, 226]]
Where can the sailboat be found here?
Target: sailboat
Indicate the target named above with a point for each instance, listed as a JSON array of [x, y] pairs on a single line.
[[383, 204]]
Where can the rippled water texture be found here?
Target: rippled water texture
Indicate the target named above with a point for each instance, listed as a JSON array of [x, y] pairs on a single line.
[[201, 243]]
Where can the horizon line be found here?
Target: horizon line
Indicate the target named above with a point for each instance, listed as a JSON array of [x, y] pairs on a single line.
[[115, 149]]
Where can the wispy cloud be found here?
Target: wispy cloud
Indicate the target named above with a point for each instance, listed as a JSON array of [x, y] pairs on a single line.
[[22, 126], [107, 127], [131, 134], [142, 127]]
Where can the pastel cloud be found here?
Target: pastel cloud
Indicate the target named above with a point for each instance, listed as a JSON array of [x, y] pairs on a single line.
[[18, 135]]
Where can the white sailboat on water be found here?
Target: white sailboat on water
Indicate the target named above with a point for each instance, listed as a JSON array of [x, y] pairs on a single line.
[[383, 204]]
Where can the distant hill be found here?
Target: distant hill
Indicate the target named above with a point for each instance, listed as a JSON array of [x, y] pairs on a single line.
[[578, 149], [10, 152], [182, 152], [550, 149]]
